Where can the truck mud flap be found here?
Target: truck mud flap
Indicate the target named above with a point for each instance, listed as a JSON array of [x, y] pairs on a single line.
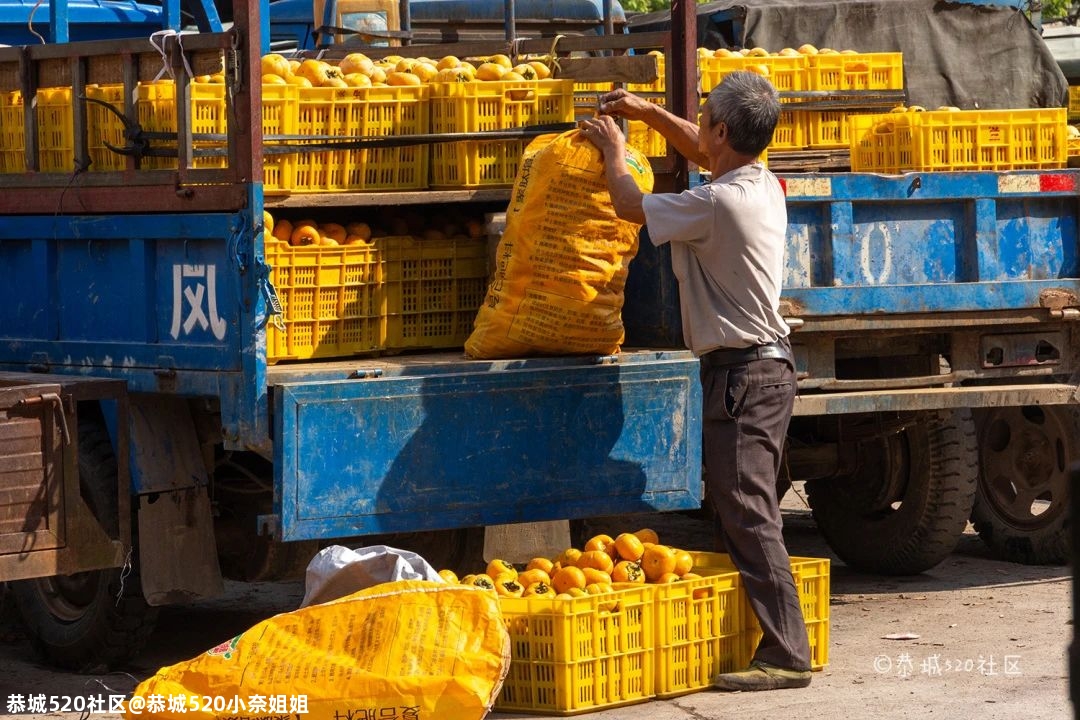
[[434, 451]]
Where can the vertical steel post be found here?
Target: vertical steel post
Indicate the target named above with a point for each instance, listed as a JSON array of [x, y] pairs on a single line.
[[682, 80], [58, 21], [171, 15], [509, 23]]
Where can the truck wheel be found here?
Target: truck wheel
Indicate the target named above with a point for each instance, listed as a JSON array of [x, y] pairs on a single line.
[[89, 621], [905, 507], [1022, 503]]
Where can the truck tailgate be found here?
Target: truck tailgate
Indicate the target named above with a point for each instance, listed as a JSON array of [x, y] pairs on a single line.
[[429, 445]]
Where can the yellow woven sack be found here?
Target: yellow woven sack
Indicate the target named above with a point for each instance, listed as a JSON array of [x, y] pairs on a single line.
[[562, 261], [409, 649]]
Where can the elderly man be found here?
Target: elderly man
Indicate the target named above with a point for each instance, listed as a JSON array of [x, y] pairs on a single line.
[[727, 250]]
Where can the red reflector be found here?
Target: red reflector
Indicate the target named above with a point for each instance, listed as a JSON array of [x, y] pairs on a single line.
[[1056, 183], [783, 185]]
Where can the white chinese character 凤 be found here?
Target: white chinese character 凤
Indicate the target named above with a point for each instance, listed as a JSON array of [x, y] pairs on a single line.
[[194, 298], [177, 704], [35, 703], [931, 666], [16, 704], [298, 704], [987, 666], [904, 665]]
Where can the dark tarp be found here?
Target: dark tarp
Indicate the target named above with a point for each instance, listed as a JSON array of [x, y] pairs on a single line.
[[968, 56]]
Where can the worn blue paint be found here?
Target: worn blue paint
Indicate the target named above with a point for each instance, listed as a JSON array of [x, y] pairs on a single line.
[[157, 295], [439, 451], [76, 20], [948, 242]]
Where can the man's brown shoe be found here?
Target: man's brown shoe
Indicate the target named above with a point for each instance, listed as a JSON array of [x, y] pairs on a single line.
[[762, 676]]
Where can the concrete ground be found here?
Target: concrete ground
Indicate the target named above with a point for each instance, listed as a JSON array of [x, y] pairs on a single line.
[[972, 638]]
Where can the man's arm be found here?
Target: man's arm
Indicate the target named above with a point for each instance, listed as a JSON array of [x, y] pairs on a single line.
[[626, 196], [682, 134]]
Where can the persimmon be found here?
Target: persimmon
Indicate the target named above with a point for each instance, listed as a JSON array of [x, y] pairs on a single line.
[[569, 557], [303, 235], [629, 547], [647, 535], [531, 577], [448, 575], [508, 586], [597, 559], [282, 230], [498, 567], [656, 561], [568, 577], [684, 562], [592, 575], [627, 571], [540, 589], [602, 542], [483, 581], [540, 563]]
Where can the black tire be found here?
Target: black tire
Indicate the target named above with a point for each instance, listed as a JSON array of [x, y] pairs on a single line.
[[905, 507], [93, 621], [1021, 506]]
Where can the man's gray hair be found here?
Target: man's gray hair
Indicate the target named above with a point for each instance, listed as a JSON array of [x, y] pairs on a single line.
[[749, 105]]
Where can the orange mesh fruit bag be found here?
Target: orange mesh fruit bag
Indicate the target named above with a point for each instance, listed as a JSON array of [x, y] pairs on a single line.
[[562, 261]]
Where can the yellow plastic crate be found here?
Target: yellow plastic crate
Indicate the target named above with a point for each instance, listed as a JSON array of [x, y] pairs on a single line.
[[332, 300], [791, 131], [785, 73], [961, 140], [574, 656], [699, 632], [829, 128], [860, 71], [156, 111], [104, 126], [1074, 102], [56, 136], [12, 128], [991, 139], [645, 139], [433, 289], [881, 143], [360, 112], [477, 106], [811, 577]]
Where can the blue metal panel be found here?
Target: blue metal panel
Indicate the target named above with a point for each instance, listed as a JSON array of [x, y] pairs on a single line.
[[124, 290], [456, 11], [451, 450], [64, 20], [930, 242]]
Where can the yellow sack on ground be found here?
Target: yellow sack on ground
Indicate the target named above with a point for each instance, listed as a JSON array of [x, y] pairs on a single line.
[[410, 649], [562, 261]]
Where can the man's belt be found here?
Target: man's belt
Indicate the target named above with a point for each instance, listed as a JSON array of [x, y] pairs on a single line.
[[778, 350]]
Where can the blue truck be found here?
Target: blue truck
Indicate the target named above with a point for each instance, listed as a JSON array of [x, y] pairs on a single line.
[[933, 318]]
